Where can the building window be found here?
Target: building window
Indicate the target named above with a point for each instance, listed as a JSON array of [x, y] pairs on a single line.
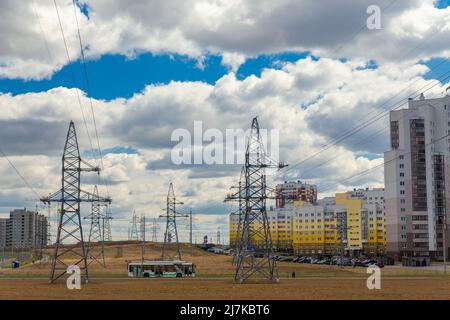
[[395, 140], [418, 165]]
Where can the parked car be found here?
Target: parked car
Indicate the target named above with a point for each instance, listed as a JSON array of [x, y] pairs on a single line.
[[324, 261], [307, 260]]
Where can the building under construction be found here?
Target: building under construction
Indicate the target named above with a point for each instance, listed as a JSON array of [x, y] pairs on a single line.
[[23, 229]]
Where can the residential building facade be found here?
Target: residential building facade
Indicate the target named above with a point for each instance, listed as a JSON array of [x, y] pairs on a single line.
[[295, 192], [417, 184], [23, 229], [314, 229]]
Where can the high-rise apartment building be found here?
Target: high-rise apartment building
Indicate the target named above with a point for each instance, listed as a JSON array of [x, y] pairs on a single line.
[[4, 237], [417, 184], [290, 193], [23, 229]]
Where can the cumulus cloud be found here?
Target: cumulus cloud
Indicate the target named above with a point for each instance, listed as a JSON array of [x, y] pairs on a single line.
[[411, 30], [310, 101]]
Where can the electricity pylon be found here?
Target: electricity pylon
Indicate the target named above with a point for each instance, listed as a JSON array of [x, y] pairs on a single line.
[[154, 231], [69, 238], [240, 215], [142, 236], [96, 246], [171, 224], [254, 243], [191, 226], [134, 232], [107, 235]]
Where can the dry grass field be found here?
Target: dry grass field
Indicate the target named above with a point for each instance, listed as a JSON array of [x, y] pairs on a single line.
[[215, 281]]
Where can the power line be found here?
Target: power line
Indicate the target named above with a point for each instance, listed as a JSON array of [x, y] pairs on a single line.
[[19, 174], [364, 125], [364, 172], [89, 92], [338, 139], [369, 137], [72, 72], [363, 27]]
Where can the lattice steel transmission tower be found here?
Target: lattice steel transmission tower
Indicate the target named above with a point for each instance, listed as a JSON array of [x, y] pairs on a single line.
[[96, 246], [69, 237], [218, 236], [134, 232], [238, 213], [142, 236], [49, 224], [254, 243], [107, 234], [171, 224], [154, 231]]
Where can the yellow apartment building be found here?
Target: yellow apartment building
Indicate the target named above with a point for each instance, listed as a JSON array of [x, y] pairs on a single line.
[[311, 229]]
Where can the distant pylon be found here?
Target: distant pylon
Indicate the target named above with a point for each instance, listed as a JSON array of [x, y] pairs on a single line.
[[134, 232], [171, 225], [154, 231], [49, 225], [70, 197], [96, 247], [142, 235], [107, 235], [254, 238]]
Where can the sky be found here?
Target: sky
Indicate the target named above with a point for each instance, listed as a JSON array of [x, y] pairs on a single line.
[[310, 69]]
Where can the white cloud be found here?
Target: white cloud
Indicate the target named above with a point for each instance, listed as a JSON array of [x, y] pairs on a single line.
[[411, 30], [309, 101]]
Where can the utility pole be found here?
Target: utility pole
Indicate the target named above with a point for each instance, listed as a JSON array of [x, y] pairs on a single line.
[[70, 197], [254, 238], [171, 225]]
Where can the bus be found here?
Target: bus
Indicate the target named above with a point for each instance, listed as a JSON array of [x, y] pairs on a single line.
[[161, 269]]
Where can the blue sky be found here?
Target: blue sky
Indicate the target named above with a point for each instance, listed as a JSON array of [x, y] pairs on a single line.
[[113, 76], [441, 4]]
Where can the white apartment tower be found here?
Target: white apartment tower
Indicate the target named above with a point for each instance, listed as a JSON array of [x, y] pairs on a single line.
[[417, 180]]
